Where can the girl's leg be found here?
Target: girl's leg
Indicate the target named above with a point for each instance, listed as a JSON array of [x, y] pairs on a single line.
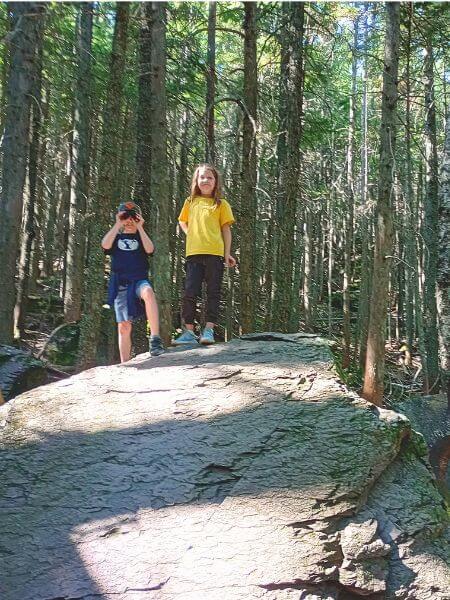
[[195, 272], [124, 333], [213, 276], [151, 309]]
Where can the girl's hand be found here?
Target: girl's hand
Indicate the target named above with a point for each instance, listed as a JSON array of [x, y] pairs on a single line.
[[229, 260]]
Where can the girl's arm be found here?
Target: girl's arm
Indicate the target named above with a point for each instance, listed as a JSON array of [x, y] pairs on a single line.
[[230, 261], [109, 238], [184, 226]]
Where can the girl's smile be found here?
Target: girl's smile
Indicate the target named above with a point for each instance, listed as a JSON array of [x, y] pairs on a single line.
[[206, 181]]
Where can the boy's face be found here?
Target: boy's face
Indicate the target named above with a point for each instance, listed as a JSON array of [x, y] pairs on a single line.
[[129, 225]]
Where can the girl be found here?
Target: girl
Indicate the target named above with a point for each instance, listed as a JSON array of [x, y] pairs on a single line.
[[206, 219]]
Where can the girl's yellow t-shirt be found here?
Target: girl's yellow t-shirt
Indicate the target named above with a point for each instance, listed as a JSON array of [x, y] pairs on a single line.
[[205, 221]]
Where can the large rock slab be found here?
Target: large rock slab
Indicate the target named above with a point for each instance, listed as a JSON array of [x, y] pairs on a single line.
[[240, 471]]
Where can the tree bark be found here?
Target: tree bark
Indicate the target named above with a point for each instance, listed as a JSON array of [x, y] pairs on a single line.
[[142, 183], [29, 233], [349, 209], [374, 373], [95, 288], [430, 230], [211, 84], [15, 150], [248, 176], [290, 168], [159, 186], [79, 189], [443, 275], [364, 289]]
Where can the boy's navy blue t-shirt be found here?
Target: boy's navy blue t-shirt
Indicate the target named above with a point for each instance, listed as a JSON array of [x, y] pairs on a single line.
[[129, 259]]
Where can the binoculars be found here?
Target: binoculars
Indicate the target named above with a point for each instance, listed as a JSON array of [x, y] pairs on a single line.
[[130, 213]]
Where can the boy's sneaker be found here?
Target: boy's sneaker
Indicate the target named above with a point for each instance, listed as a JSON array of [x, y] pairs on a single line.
[[207, 337], [156, 346], [187, 337]]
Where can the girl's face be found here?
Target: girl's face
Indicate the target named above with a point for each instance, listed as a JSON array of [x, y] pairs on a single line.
[[206, 181]]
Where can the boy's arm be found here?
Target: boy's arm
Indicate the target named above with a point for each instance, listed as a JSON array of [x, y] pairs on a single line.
[[184, 226], [230, 261], [109, 238], [146, 241]]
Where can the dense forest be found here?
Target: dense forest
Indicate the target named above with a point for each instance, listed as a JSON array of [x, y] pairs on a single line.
[[327, 121]]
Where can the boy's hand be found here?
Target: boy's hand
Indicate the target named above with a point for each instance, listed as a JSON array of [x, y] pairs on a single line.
[[118, 221], [139, 221], [229, 260]]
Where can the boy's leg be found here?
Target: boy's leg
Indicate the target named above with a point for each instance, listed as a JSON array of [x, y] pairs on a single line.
[[124, 325], [151, 308], [146, 293], [195, 272], [124, 332]]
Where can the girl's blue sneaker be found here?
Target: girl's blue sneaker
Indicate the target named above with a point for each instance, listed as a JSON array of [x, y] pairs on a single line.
[[187, 337], [207, 337]]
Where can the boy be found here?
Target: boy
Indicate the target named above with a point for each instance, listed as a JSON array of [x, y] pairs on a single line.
[[129, 287]]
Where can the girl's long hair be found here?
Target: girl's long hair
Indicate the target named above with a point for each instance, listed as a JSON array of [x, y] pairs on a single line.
[[195, 190]]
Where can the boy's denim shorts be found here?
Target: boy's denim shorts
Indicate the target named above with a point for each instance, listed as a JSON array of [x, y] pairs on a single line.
[[120, 303]]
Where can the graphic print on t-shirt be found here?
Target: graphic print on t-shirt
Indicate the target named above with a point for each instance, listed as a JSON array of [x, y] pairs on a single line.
[[127, 244]]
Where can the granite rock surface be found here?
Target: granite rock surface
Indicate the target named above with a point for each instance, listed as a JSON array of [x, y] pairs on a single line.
[[240, 471]]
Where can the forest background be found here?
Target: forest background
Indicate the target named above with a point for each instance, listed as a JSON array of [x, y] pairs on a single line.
[[327, 121]]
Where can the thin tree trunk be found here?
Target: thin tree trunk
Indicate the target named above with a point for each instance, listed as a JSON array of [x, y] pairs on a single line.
[[411, 283], [95, 291], [211, 84], [430, 230], [443, 278], [142, 184], [159, 187], [29, 233], [248, 183], [364, 290], [349, 210], [330, 240], [80, 169], [290, 168], [15, 150], [374, 373], [49, 231], [308, 284], [37, 250]]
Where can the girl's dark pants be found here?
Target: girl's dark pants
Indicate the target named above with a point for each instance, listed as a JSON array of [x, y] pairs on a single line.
[[199, 268]]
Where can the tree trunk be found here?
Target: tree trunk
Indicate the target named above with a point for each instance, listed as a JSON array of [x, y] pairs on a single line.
[[29, 233], [349, 209], [364, 289], [430, 231], [248, 179], [142, 183], [443, 275], [290, 168], [159, 187], [374, 374], [80, 169], [95, 288], [211, 84], [411, 283], [15, 149], [41, 192]]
